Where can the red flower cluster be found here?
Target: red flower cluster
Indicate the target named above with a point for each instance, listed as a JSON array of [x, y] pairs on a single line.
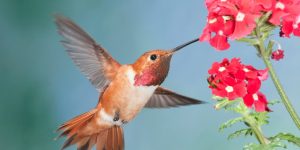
[[231, 18], [231, 79], [287, 14], [277, 55], [235, 19]]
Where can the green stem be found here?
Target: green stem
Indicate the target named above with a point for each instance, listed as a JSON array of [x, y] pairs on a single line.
[[281, 92], [257, 131]]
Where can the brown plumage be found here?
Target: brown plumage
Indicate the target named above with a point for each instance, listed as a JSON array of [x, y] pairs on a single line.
[[124, 89], [107, 139]]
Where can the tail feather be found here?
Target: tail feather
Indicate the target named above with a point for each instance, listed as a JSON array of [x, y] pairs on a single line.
[[92, 141], [111, 139], [83, 131], [101, 140], [84, 144], [68, 142], [120, 136], [81, 118]]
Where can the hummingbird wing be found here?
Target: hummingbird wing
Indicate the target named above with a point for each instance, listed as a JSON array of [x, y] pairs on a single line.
[[92, 59], [164, 98]]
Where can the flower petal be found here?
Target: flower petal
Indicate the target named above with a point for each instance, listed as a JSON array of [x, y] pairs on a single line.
[[259, 106], [253, 86], [220, 42], [248, 100]]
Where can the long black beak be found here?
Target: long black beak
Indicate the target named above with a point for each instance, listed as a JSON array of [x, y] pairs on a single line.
[[184, 45]]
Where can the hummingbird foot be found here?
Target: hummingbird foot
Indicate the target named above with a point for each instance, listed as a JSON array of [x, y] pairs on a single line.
[[124, 121], [116, 116]]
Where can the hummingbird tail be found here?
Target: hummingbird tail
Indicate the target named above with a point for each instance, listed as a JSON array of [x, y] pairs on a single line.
[[85, 131]]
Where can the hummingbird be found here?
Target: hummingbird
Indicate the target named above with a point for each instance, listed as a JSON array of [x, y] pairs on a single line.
[[125, 89]]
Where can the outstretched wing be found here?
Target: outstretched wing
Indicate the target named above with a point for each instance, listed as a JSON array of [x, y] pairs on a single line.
[[164, 98], [92, 59]]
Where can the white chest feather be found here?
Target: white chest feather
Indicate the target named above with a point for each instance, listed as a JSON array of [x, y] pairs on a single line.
[[133, 99]]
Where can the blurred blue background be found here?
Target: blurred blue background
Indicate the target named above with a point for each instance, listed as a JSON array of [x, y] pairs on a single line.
[[41, 87]]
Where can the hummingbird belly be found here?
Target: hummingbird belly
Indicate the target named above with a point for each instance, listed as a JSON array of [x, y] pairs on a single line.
[[122, 100]]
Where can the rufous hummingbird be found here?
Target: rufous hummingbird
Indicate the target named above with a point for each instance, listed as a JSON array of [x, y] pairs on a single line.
[[124, 89]]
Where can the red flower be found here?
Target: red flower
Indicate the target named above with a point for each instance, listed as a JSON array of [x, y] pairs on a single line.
[[220, 42], [219, 68], [230, 88], [264, 5], [222, 27], [252, 73], [244, 17], [286, 28], [283, 8], [258, 100], [236, 19], [277, 55], [287, 14], [227, 68], [263, 74], [290, 24], [254, 97], [231, 79], [225, 80], [253, 86], [230, 19]]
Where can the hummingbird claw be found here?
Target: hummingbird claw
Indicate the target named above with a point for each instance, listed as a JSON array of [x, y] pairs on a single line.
[[117, 116], [124, 121]]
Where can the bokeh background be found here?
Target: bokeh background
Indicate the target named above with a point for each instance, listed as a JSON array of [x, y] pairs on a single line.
[[40, 87]]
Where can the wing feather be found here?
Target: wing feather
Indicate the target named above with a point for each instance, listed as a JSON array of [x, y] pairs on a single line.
[[92, 59], [164, 98]]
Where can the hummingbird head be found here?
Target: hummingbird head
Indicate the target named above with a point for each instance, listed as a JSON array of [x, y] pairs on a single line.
[[153, 66]]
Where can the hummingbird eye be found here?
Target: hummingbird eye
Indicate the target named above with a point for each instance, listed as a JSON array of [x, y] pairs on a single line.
[[153, 57]]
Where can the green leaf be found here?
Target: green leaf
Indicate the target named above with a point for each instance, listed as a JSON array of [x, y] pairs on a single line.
[[253, 146], [266, 31], [224, 103], [241, 107], [287, 137], [221, 102], [235, 134], [267, 28], [263, 19], [218, 98], [251, 41], [230, 122], [260, 117], [276, 143], [273, 102], [232, 104], [270, 48], [271, 146]]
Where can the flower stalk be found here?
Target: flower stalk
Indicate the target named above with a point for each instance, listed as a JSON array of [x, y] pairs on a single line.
[[281, 92], [254, 120], [256, 129], [284, 98]]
